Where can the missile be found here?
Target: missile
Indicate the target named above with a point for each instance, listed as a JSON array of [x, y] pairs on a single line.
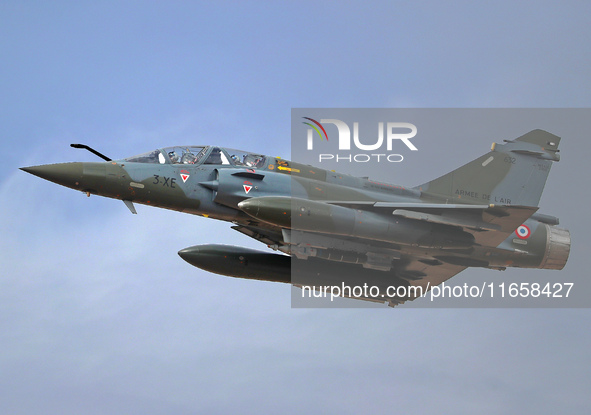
[[313, 216]]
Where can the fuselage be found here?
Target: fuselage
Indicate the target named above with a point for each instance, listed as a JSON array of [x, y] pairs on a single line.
[[213, 181]]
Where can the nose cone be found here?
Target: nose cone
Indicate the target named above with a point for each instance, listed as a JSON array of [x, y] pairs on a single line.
[[191, 255], [66, 174], [213, 257], [275, 210], [250, 206], [206, 259], [88, 177], [205, 256]]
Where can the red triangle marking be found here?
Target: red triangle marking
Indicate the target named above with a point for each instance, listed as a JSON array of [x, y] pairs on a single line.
[[184, 177], [246, 188]]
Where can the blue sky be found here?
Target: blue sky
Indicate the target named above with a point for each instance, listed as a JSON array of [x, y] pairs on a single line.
[[99, 315]]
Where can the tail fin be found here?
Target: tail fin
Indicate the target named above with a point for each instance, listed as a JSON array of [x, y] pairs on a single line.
[[513, 173]]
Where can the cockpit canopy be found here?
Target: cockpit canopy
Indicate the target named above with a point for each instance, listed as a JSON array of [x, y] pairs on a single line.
[[200, 155]]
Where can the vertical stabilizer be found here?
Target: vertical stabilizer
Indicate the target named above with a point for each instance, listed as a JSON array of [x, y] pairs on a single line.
[[513, 173]]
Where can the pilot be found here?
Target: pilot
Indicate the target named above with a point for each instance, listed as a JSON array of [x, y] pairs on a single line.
[[236, 160], [173, 157], [250, 160], [188, 157]]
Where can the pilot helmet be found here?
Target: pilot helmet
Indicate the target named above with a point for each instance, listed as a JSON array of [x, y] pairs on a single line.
[[173, 156]]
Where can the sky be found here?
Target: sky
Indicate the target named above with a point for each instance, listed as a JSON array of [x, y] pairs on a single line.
[[99, 315]]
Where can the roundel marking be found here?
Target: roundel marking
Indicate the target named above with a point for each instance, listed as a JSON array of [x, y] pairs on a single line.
[[523, 232]]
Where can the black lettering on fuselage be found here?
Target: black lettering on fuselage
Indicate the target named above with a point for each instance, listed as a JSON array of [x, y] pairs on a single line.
[[467, 193], [166, 182], [503, 200]]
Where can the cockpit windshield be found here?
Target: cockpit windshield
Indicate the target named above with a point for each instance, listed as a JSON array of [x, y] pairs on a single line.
[[152, 157], [243, 158], [199, 155], [185, 155], [216, 157]]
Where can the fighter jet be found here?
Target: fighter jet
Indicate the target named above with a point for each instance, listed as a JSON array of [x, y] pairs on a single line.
[[327, 226]]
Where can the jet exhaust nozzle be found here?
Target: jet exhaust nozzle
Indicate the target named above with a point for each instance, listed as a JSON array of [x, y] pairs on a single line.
[[557, 248]]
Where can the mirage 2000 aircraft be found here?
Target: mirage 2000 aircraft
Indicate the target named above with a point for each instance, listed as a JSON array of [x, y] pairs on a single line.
[[483, 214]]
